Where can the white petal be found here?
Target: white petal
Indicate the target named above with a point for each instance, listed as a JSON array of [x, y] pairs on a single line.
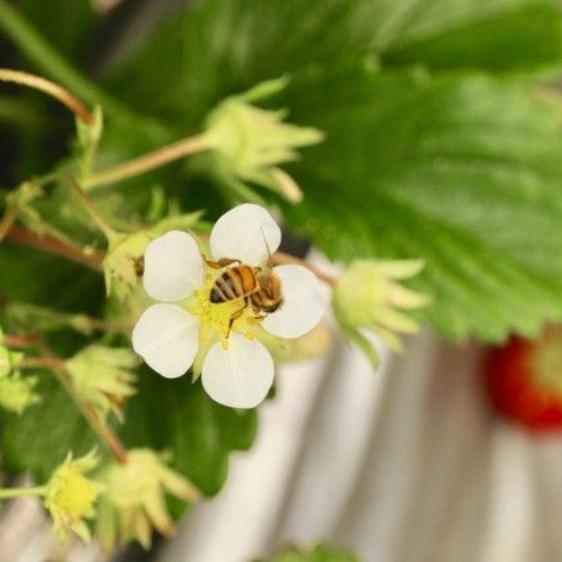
[[246, 233], [173, 267], [303, 303], [166, 338], [239, 376]]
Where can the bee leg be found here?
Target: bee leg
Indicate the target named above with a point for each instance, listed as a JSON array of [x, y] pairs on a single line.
[[236, 315], [223, 262]]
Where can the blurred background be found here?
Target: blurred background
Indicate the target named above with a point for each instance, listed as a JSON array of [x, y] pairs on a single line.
[[408, 464]]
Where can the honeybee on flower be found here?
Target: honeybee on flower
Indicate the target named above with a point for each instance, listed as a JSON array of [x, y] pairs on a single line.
[[218, 333]]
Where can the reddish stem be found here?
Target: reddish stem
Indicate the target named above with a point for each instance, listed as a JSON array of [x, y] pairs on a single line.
[[49, 244]]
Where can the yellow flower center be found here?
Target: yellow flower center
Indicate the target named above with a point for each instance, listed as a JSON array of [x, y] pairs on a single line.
[[224, 317], [71, 495]]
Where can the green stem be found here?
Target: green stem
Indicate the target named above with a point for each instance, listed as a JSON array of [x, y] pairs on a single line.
[[89, 206], [49, 88], [9, 493], [147, 162], [44, 56]]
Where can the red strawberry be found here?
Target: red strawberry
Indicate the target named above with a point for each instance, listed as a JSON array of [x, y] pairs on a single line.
[[524, 381]]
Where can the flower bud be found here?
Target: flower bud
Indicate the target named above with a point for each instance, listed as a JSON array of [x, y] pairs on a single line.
[[70, 496], [367, 296], [123, 264], [250, 143], [134, 502], [16, 392], [102, 377]]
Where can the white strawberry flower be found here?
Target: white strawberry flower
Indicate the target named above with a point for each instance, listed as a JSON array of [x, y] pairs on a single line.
[[186, 329]]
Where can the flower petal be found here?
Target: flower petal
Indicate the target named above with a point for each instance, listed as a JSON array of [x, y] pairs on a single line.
[[166, 338], [303, 303], [173, 267], [246, 233], [239, 376]]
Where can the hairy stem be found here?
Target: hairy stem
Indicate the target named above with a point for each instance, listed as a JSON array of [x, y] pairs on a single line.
[[46, 362], [28, 340], [95, 260], [45, 319], [148, 162], [101, 223], [91, 259], [50, 88], [9, 493]]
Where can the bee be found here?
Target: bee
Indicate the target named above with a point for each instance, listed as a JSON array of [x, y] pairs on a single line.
[[260, 287]]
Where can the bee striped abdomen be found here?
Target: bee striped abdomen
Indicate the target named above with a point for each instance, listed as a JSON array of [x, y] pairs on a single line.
[[235, 282]]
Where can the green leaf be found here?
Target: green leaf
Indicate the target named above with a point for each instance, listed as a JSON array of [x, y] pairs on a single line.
[[39, 440], [320, 553], [217, 48], [67, 25], [464, 172], [491, 34]]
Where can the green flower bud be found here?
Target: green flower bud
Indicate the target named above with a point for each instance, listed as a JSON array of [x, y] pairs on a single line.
[[123, 264], [250, 143], [70, 496], [102, 377], [134, 502], [367, 296], [16, 391]]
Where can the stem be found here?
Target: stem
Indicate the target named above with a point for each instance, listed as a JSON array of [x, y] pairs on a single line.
[[102, 430], [93, 259], [90, 207], [9, 493], [46, 319], [283, 258], [45, 362], [49, 88], [21, 341], [148, 161], [29, 41]]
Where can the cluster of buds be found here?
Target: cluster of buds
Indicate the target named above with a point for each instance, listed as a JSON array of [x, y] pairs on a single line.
[[126, 500], [368, 297]]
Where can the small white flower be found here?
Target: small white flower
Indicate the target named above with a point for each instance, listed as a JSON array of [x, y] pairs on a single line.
[[186, 329]]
